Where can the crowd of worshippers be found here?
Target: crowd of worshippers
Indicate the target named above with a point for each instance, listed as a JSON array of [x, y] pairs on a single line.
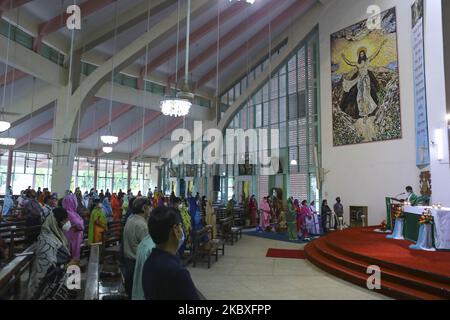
[[155, 235], [302, 221]]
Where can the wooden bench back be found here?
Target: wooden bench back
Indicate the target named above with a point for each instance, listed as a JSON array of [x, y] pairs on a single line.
[[11, 274], [199, 235]]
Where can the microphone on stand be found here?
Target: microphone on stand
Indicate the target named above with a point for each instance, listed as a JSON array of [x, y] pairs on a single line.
[[400, 194]]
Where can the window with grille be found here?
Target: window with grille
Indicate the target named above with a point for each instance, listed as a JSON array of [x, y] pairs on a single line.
[[288, 101]]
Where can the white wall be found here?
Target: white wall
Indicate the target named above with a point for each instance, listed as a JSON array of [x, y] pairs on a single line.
[[364, 174], [436, 99]]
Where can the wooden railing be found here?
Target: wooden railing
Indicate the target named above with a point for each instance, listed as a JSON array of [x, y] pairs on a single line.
[[92, 278]]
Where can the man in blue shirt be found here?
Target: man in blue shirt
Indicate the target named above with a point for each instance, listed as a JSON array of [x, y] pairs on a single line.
[[164, 277]]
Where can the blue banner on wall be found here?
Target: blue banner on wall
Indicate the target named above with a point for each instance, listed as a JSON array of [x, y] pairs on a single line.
[[420, 93]]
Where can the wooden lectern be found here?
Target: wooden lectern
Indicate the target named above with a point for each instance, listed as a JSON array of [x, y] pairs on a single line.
[[391, 205]]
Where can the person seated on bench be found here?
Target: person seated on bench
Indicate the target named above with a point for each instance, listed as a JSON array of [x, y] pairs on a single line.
[[164, 277], [33, 210], [98, 223], [48, 272]]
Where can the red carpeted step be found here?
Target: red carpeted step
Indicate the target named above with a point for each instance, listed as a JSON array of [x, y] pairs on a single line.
[[407, 279], [388, 288], [370, 247]]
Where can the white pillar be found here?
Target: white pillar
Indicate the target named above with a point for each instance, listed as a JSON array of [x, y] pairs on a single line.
[[63, 149], [436, 100]]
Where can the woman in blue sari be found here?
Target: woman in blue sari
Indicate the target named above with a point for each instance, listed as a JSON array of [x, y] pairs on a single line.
[[195, 214], [107, 208], [8, 203]]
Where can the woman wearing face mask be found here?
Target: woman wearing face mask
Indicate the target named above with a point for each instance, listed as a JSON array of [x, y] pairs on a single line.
[[98, 223], [75, 234], [48, 272]]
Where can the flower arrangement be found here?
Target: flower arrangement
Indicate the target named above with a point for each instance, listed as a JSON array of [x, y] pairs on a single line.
[[426, 217], [383, 225], [398, 212]]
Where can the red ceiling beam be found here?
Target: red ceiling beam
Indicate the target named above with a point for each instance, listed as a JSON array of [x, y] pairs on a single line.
[[37, 132], [150, 142], [294, 9], [136, 127], [87, 8], [105, 120], [206, 28], [6, 5], [230, 36], [11, 76]]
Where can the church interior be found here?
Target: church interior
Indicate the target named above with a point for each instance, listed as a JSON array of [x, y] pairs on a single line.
[[224, 150]]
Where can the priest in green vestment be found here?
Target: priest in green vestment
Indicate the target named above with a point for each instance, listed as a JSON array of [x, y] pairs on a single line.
[[412, 197]]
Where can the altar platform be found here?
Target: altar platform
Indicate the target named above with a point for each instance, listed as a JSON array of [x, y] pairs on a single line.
[[406, 273]]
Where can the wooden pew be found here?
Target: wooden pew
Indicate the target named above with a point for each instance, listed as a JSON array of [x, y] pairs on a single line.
[[111, 240], [11, 274], [17, 238], [202, 247], [228, 231]]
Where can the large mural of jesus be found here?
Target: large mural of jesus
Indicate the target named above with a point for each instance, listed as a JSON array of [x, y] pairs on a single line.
[[365, 82]]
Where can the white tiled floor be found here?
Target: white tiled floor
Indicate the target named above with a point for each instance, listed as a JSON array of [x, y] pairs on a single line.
[[244, 273]]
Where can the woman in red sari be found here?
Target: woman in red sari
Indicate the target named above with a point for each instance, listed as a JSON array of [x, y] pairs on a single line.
[[116, 209], [252, 208]]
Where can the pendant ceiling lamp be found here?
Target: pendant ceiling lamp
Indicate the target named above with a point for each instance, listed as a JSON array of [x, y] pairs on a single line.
[[180, 105], [6, 125], [106, 149], [109, 139]]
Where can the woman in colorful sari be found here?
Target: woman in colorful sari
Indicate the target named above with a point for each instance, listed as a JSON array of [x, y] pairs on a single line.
[[48, 272], [301, 221], [187, 224], [264, 208], [291, 218], [75, 234], [107, 208], [253, 209], [196, 216], [8, 203], [116, 209], [97, 223]]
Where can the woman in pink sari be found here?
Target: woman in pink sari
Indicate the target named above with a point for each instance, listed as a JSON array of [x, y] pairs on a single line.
[[252, 208], [304, 214], [264, 222], [75, 233]]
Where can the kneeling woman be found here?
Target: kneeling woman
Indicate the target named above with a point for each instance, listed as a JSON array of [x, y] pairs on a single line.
[[48, 273]]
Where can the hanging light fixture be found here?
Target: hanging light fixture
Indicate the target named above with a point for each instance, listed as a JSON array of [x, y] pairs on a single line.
[[7, 141], [106, 149], [5, 125], [110, 139], [180, 106]]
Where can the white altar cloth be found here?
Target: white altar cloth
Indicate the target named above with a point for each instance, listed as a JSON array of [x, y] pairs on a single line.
[[441, 224]]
